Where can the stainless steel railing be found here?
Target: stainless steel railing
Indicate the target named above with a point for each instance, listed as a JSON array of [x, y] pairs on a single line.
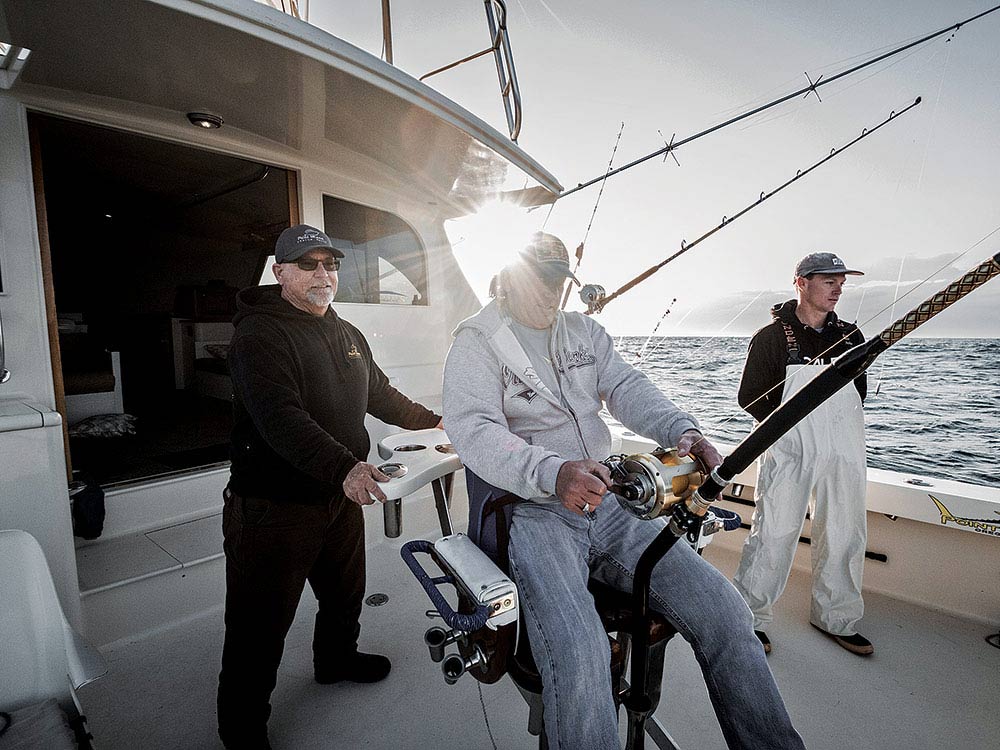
[[510, 94]]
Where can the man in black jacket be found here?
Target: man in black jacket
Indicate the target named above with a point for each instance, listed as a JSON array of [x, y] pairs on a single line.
[[820, 462], [304, 379]]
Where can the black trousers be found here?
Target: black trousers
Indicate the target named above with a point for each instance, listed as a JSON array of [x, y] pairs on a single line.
[[272, 549]]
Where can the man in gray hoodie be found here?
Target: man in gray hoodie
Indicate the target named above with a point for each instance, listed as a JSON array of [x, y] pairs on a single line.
[[523, 387]]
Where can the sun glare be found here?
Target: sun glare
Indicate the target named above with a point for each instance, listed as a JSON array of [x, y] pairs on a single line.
[[486, 241]]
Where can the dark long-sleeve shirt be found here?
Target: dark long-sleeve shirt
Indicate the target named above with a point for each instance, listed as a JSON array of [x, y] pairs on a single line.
[[768, 356], [303, 385]]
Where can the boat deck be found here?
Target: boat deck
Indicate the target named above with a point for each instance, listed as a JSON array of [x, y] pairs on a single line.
[[931, 682]]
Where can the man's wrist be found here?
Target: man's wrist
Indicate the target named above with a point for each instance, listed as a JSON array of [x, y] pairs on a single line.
[[548, 474]]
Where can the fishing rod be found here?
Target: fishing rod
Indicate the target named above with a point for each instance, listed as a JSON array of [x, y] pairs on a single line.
[[812, 88], [586, 234], [685, 516], [597, 302]]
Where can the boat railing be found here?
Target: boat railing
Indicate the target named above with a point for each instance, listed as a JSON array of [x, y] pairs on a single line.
[[496, 19], [510, 94]]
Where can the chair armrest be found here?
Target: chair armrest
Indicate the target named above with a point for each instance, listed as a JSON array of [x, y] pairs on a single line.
[[85, 662]]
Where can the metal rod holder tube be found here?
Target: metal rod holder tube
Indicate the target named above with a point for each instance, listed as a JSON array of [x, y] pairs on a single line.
[[392, 518]]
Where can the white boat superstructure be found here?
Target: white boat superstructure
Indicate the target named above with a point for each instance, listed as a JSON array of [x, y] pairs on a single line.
[[125, 227]]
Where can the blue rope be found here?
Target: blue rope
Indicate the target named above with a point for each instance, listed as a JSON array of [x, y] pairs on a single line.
[[467, 623]]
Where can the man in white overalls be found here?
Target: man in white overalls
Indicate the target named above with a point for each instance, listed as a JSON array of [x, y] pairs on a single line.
[[818, 465]]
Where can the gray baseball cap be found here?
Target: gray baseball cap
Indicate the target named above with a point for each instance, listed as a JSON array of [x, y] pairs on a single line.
[[823, 263], [296, 241], [548, 254]]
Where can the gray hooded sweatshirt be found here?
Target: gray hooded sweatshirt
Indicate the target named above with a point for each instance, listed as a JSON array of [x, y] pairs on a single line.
[[516, 433]]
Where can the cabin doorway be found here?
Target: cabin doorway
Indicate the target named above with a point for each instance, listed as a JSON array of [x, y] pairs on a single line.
[[149, 242]]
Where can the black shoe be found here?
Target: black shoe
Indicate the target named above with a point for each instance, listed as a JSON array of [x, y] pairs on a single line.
[[357, 667], [856, 644], [764, 640], [245, 741]]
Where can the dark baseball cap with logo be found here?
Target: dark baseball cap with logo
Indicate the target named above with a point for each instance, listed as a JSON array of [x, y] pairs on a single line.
[[549, 256], [823, 263], [296, 241]]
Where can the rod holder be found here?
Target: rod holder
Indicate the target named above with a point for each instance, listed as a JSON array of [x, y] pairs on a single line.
[[392, 518], [454, 666], [437, 639]]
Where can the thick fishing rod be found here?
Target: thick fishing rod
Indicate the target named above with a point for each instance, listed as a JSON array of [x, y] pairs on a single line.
[[806, 90], [597, 304], [686, 516]]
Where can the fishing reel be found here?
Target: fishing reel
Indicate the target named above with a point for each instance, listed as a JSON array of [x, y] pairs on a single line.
[[592, 295], [649, 485], [661, 483]]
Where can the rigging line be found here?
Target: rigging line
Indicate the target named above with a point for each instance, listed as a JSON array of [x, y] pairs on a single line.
[[714, 336], [642, 351], [871, 318], [780, 116], [937, 104], [892, 316], [586, 234], [657, 345], [764, 96], [811, 88], [864, 291], [602, 303]]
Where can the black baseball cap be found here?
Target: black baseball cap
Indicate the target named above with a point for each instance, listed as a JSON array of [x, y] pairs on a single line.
[[296, 241]]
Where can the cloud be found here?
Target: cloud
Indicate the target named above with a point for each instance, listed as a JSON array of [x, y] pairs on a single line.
[[871, 303]]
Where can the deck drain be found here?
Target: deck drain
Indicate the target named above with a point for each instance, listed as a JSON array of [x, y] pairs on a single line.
[[376, 600]]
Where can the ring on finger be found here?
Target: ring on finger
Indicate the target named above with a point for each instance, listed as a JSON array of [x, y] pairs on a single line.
[[586, 507]]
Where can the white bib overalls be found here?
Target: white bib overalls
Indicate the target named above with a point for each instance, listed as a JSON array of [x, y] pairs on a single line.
[[819, 464]]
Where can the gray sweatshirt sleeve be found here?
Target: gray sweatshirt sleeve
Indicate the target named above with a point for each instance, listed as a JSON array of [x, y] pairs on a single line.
[[477, 427], [632, 399]]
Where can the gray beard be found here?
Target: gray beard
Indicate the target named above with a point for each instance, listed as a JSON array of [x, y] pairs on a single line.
[[320, 298]]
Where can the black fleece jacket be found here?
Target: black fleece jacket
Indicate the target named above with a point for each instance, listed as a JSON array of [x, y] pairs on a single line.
[[303, 384], [767, 356]]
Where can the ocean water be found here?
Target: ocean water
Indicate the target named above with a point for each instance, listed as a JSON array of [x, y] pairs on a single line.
[[936, 412]]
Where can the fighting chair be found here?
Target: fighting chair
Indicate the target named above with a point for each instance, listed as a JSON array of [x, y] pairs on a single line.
[[489, 523], [43, 661]]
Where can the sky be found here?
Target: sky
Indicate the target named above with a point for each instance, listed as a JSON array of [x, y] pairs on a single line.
[[910, 205]]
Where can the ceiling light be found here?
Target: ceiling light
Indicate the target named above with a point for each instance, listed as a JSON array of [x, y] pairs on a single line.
[[204, 120]]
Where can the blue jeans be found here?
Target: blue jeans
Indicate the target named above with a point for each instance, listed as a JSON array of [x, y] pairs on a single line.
[[552, 554]]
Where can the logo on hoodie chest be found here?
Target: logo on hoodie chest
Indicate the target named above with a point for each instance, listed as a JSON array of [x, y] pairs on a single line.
[[353, 352], [578, 358], [517, 387]]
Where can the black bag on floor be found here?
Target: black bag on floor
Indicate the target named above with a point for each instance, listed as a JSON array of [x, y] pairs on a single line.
[[87, 500]]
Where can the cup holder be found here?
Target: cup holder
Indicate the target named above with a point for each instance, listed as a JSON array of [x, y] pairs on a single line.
[[410, 447], [393, 470]]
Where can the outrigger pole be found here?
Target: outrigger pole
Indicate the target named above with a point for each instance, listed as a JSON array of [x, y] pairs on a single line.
[[687, 515], [598, 304], [812, 88]]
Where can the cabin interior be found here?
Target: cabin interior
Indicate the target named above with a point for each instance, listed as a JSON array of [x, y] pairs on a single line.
[[150, 242]]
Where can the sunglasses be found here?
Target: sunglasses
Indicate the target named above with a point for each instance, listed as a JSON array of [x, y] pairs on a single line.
[[309, 264]]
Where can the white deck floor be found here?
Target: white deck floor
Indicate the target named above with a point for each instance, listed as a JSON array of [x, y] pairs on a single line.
[[932, 683]]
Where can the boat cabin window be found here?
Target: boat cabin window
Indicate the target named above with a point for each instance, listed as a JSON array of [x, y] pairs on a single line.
[[384, 262]]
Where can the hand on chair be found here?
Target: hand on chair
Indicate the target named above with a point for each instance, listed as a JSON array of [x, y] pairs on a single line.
[[581, 485]]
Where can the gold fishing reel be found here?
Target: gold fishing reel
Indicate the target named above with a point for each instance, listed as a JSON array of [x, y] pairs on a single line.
[[648, 485]]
